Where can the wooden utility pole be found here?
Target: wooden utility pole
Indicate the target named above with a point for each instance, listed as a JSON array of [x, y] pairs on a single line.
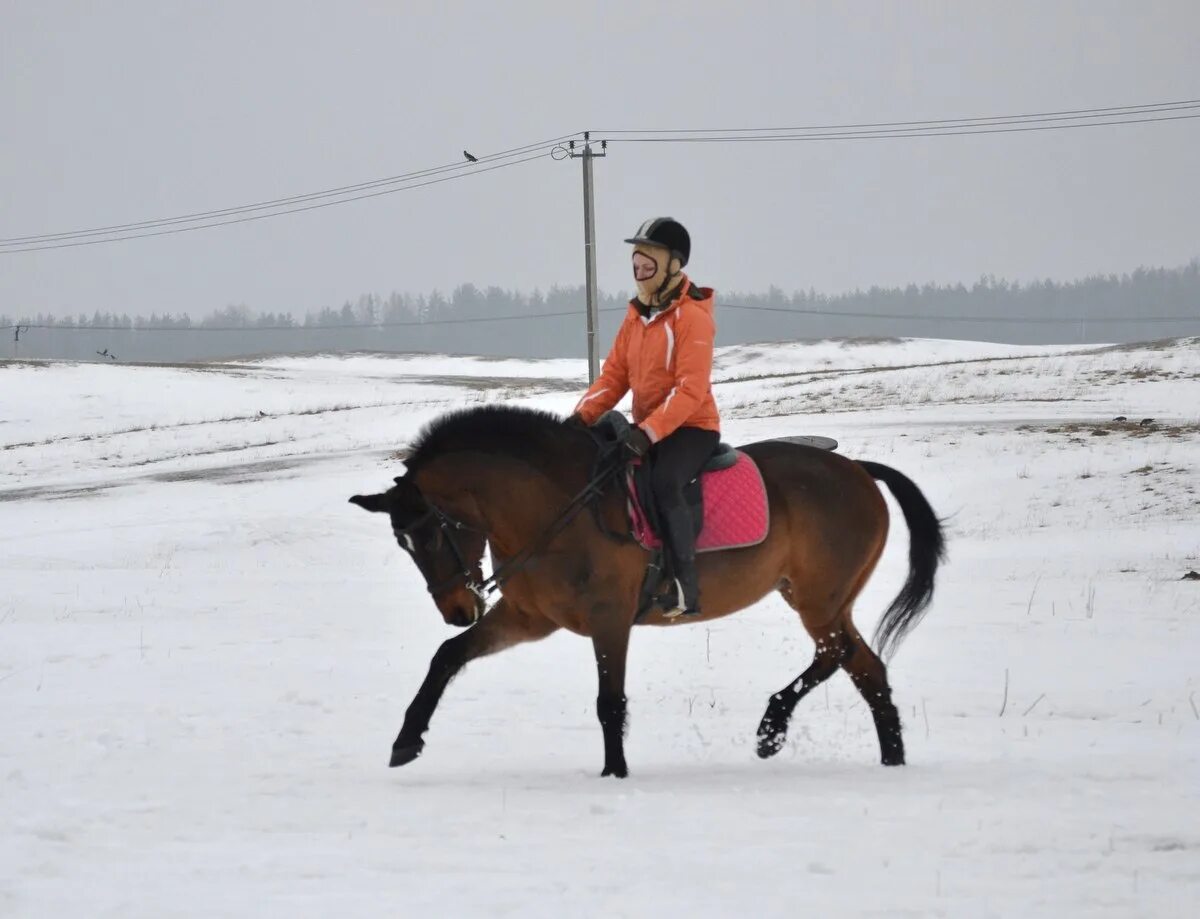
[[589, 249]]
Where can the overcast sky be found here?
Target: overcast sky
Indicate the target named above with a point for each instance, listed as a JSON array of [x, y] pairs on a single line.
[[118, 112]]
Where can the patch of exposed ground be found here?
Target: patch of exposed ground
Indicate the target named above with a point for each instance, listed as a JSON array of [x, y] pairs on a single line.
[[1142, 428], [224, 474]]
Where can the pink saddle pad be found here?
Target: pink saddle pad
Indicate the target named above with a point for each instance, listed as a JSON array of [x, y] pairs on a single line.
[[735, 509]]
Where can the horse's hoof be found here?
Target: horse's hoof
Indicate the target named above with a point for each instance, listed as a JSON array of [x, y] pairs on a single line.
[[403, 755], [771, 745], [620, 772], [892, 753]]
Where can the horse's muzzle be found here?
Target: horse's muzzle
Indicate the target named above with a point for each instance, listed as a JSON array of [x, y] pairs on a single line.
[[465, 611]]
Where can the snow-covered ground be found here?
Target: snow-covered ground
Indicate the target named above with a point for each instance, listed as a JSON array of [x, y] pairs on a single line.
[[205, 654]]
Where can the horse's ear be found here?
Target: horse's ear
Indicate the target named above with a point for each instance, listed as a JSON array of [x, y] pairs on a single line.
[[373, 503]]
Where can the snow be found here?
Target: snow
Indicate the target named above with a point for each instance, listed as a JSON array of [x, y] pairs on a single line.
[[205, 653]]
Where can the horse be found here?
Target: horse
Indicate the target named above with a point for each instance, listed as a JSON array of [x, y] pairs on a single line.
[[514, 479]]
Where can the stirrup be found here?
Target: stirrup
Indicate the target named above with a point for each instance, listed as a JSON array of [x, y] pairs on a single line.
[[678, 609]]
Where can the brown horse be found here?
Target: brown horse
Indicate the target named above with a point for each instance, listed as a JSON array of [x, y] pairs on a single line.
[[503, 475]]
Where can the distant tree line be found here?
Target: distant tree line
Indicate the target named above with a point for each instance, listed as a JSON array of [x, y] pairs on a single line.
[[1146, 304]]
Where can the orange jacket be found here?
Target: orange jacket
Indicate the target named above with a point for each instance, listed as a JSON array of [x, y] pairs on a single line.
[[667, 361]]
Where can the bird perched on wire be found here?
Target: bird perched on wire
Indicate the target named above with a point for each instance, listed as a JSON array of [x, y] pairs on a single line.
[[470, 159]]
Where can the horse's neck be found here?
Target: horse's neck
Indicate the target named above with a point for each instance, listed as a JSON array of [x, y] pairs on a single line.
[[513, 499]]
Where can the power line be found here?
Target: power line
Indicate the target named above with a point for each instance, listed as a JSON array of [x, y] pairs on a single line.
[[1013, 128], [516, 317], [457, 166], [1109, 111], [299, 328], [1025, 320], [899, 128], [293, 210], [276, 207]]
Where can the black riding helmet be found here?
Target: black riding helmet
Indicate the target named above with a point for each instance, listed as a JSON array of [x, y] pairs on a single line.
[[668, 233]]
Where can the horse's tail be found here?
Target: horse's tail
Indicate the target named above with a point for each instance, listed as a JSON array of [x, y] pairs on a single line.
[[927, 547]]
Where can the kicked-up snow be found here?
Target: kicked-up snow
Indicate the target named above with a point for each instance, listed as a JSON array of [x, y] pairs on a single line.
[[206, 652]]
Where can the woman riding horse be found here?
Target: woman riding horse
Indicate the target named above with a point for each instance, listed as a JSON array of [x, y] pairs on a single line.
[[504, 477], [664, 353]]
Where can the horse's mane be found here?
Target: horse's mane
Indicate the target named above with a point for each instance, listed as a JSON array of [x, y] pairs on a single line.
[[526, 434]]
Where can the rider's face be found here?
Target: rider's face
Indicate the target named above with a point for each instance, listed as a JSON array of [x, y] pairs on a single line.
[[644, 267]]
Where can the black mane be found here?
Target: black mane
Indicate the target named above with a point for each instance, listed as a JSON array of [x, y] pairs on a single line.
[[526, 434]]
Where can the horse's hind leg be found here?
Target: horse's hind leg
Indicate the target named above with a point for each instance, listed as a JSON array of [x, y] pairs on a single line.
[[833, 650], [870, 676], [840, 646]]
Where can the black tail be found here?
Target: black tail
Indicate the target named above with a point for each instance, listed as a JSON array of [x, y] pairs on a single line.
[[926, 549]]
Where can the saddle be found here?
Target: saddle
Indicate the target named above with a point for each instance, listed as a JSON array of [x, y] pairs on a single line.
[[728, 501]]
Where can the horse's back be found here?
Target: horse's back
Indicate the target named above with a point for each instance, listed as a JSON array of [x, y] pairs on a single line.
[[818, 490]]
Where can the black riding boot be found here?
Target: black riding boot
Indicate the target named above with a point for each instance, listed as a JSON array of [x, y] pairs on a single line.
[[681, 542]]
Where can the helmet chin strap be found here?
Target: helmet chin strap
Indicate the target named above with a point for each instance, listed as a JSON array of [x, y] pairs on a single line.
[[668, 282]]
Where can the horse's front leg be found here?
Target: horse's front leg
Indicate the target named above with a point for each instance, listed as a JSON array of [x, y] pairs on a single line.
[[611, 644], [502, 627]]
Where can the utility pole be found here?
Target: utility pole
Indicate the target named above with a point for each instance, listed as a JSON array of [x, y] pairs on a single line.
[[589, 248]]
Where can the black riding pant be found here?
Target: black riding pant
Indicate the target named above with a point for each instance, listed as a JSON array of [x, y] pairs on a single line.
[[676, 460]]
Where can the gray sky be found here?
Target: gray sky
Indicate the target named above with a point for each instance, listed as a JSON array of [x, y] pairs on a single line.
[[121, 112]]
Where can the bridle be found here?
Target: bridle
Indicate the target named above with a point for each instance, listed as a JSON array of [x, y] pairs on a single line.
[[447, 525], [483, 590]]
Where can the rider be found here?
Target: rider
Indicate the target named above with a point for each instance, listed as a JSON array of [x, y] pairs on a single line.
[[664, 353]]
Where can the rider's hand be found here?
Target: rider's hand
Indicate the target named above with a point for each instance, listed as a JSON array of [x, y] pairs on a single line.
[[638, 443], [576, 421]]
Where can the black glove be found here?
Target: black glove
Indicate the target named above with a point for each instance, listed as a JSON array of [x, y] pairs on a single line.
[[638, 443], [576, 421]]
